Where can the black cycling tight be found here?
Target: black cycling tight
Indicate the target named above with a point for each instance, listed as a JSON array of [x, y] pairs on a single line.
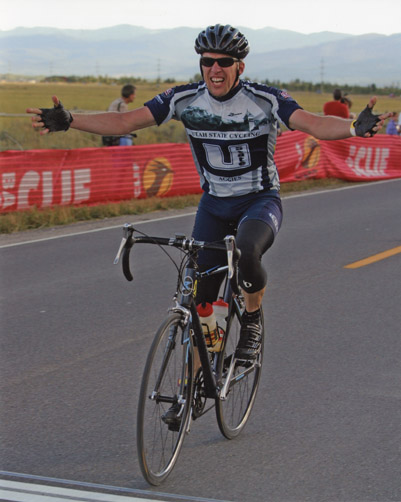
[[254, 238]]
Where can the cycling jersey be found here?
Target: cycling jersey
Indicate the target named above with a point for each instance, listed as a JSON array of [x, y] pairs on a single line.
[[232, 138]]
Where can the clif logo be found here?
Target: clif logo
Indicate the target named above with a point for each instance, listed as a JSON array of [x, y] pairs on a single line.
[[308, 157], [158, 177], [311, 154]]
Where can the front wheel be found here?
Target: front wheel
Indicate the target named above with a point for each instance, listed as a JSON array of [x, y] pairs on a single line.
[[165, 399], [233, 412]]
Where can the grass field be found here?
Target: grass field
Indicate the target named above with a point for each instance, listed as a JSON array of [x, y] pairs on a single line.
[[17, 133], [15, 98]]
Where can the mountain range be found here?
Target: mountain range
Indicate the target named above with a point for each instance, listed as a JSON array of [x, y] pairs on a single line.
[[134, 51]]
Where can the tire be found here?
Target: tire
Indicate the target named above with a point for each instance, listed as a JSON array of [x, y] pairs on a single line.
[[233, 413], [159, 443]]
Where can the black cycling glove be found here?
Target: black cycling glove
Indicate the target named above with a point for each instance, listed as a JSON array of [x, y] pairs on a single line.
[[365, 122], [56, 118]]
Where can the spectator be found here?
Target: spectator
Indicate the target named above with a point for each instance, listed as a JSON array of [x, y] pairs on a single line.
[[392, 127], [336, 107], [345, 99], [121, 105]]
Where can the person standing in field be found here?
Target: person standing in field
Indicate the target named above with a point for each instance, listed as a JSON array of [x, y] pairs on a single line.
[[121, 105], [392, 127], [232, 129], [336, 107], [346, 100]]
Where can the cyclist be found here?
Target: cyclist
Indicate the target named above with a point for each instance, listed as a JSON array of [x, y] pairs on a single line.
[[232, 126]]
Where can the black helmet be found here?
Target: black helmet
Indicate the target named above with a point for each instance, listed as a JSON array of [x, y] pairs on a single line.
[[222, 39]]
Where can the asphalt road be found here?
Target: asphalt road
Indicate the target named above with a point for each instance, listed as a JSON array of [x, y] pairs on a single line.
[[327, 422]]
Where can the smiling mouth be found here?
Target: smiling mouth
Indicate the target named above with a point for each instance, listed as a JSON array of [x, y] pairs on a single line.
[[216, 80]]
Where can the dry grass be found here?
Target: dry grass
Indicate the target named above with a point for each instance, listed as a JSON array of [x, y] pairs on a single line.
[[44, 218], [18, 221], [314, 102], [16, 98]]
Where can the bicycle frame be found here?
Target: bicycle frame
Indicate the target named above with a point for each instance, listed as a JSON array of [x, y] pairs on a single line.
[[185, 305]]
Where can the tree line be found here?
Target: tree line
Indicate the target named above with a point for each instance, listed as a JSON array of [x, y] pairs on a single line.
[[292, 85]]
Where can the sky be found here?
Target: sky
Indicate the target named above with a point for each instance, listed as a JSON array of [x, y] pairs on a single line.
[[355, 17]]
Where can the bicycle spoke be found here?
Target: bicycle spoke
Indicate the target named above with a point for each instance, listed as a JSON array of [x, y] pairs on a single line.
[[233, 412], [166, 383]]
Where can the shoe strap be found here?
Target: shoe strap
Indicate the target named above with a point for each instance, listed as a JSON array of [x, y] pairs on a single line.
[[251, 316]]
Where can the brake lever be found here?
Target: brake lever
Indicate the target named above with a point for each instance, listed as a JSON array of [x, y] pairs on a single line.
[[127, 233], [125, 247], [120, 250], [230, 243], [233, 256]]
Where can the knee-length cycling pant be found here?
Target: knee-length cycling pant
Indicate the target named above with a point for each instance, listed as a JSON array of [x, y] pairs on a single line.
[[256, 218]]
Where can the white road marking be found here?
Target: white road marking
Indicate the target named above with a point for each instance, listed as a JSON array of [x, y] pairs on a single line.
[[30, 490], [94, 230], [289, 196], [360, 184], [16, 491]]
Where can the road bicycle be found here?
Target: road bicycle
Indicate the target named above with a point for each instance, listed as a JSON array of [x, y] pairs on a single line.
[[181, 375]]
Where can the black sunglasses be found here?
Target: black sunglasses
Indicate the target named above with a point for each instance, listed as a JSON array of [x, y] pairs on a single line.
[[222, 62]]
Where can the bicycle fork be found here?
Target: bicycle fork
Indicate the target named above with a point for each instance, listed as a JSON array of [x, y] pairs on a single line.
[[168, 351]]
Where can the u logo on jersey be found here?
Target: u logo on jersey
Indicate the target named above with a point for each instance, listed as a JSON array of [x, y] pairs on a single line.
[[238, 156]]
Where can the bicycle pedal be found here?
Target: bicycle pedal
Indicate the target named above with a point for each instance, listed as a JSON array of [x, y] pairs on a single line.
[[244, 363], [175, 427], [172, 418]]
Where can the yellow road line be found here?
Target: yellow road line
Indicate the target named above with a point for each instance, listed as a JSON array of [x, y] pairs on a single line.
[[374, 258]]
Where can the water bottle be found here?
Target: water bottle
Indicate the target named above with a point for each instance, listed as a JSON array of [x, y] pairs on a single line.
[[220, 309], [209, 326]]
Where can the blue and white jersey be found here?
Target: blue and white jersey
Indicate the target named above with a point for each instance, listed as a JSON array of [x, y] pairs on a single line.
[[232, 138]]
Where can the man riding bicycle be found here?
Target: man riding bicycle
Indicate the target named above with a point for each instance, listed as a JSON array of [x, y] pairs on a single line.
[[232, 127]]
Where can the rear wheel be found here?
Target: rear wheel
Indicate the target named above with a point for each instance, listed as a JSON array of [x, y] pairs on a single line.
[[165, 399], [233, 412]]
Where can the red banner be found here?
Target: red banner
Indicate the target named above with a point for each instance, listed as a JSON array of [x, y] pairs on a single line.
[[299, 156], [46, 178]]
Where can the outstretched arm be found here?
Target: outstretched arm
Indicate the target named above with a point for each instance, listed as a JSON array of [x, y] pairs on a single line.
[[330, 127], [107, 123]]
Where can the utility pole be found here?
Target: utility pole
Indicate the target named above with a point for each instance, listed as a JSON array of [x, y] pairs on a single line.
[[158, 73], [321, 75]]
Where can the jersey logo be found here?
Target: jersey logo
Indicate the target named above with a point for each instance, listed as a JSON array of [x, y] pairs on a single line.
[[284, 94], [238, 156]]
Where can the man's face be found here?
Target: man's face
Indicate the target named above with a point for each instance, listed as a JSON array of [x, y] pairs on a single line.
[[131, 98], [220, 80]]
